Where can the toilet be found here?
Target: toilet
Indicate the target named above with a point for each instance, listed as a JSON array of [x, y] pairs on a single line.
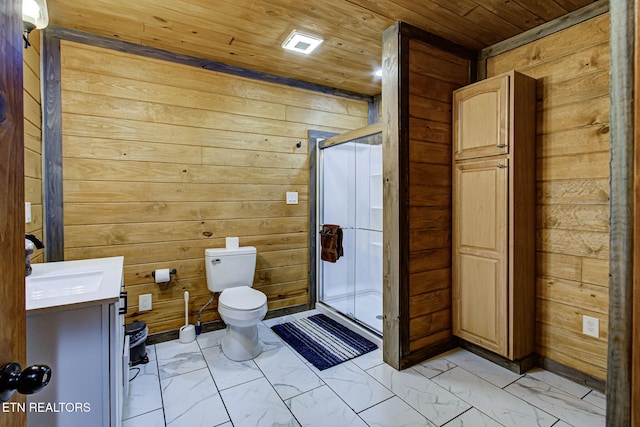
[[230, 271]]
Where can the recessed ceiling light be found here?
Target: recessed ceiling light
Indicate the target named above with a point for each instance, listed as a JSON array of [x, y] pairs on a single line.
[[378, 72], [301, 42]]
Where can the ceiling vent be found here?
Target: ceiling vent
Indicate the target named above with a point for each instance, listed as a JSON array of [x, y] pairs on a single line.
[[301, 42]]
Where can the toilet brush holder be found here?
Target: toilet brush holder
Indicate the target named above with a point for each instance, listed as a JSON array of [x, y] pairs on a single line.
[[187, 332]]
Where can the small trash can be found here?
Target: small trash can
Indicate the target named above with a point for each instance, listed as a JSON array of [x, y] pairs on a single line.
[[138, 333]]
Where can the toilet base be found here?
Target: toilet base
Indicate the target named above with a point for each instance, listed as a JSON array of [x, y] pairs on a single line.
[[241, 343]]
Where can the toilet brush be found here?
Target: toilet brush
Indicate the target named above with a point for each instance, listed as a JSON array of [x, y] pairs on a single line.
[[187, 332]]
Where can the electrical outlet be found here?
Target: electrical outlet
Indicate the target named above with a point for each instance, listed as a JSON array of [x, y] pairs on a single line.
[[144, 302], [591, 326]]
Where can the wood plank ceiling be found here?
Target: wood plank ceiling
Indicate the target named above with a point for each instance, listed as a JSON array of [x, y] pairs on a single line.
[[248, 33]]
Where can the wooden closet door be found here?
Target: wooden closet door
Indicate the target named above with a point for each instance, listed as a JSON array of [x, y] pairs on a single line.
[[480, 291], [481, 117]]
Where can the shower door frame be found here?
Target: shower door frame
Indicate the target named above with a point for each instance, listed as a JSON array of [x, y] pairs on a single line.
[[318, 141]]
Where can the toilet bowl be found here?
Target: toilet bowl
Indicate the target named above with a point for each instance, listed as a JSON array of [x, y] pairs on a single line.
[[241, 308]]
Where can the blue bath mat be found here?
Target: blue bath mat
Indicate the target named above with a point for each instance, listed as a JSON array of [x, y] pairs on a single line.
[[323, 341]]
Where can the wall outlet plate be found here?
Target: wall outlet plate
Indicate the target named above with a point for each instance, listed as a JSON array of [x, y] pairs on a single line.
[[144, 302], [591, 326], [292, 197]]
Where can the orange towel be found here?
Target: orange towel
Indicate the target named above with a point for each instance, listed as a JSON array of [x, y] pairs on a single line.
[[331, 242]]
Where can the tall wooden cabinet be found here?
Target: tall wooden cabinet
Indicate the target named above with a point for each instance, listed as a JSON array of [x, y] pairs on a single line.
[[494, 214]]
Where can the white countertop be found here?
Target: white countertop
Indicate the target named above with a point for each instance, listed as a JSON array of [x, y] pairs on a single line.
[[67, 284]]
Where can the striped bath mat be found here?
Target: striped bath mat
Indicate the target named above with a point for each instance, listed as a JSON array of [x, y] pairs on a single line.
[[323, 341]]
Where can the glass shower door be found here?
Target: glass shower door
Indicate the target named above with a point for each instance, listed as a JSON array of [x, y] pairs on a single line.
[[350, 195], [336, 207], [368, 227]]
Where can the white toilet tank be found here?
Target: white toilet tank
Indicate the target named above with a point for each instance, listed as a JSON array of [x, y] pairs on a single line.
[[229, 268]]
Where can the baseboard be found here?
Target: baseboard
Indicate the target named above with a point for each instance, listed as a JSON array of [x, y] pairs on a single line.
[[287, 310], [427, 353], [573, 374], [175, 334], [523, 365], [518, 366], [219, 324]]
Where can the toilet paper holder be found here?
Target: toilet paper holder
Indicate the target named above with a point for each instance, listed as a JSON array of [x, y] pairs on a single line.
[[172, 271]]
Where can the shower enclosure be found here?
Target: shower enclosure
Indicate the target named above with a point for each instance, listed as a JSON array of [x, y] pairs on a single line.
[[349, 194]]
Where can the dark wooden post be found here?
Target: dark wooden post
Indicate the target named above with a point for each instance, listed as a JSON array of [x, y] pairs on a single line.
[[622, 215]]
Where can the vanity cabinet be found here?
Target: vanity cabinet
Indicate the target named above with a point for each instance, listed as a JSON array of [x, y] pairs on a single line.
[[494, 214], [84, 344]]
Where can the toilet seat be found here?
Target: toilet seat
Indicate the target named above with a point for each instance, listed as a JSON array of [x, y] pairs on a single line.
[[242, 298], [242, 307]]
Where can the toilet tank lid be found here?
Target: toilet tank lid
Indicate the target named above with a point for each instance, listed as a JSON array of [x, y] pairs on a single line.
[[243, 250]]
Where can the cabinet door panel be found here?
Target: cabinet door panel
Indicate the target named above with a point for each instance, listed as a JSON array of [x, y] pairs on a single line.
[[481, 116], [481, 302], [480, 288]]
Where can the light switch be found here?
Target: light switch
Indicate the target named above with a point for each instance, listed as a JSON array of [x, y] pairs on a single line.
[[27, 212], [292, 197]]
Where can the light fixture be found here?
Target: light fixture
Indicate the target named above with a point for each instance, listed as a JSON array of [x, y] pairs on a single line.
[[378, 72], [301, 42], [34, 15]]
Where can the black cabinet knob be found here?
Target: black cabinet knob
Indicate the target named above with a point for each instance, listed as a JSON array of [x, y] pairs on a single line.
[[31, 380]]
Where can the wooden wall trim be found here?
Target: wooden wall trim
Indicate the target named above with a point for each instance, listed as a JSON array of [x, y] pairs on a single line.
[[428, 352], [374, 109], [583, 14], [622, 210], [314, 137], [404, 167], [436, 41], [12, 315], [572, 374], [635, 341], [52, 148], [392, 258], [155, 53]]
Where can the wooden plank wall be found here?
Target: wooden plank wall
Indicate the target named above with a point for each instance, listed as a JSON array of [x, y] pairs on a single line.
[[572, 68], [33, 139], [162, 161], [433, 75]]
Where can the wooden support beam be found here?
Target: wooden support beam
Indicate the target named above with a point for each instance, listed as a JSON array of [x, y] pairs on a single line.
[[394, 159], [622, 215]]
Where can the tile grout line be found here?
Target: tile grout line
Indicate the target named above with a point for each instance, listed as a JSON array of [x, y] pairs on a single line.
[[306, 363], [499, 388], [545, 411], [215, 384], [450, 365]]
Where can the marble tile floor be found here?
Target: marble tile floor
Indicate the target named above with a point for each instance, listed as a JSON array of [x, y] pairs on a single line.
[[195, 385]]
